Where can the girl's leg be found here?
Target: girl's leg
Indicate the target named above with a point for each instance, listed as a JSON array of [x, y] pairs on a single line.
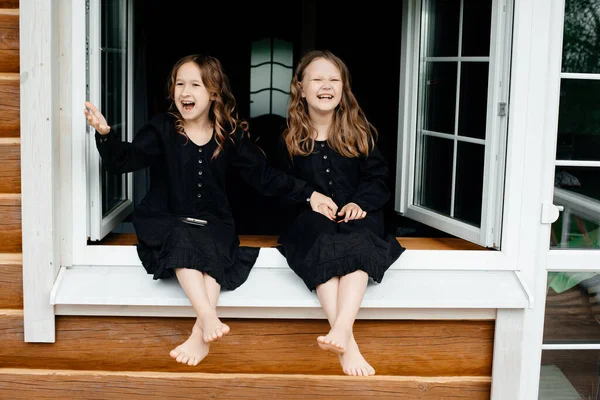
[[194, 286], [350, 294], [352, 361], [195, 348]]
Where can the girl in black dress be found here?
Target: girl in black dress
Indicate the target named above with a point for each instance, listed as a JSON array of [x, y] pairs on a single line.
[[330, 144], [189, 151]]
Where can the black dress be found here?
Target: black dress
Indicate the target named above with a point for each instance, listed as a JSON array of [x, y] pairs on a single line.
[[187, 182], [318, 249]]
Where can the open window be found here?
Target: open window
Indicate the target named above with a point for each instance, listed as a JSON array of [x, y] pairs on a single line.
[[109, 87], [447, 72], [453, 115]]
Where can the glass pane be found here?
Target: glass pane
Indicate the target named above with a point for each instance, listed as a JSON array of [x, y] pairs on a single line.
[[260, 103], [578, 191], [469, 182], [473, 99], [579, 120], [477, 20], [581, 40], [114, 90], [281, 78], [438, 97], [569, 374], [283, 53], [436, 174], [260, 78], [280, 104], [440, 19], [572, 308], [261, 52]]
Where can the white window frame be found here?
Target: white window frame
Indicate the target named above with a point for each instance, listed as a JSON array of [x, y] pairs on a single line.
[[489, 234], [575, 259], [100, 225], [55, 107]]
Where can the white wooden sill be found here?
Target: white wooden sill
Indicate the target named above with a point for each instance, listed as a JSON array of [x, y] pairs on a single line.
[[274, 291]]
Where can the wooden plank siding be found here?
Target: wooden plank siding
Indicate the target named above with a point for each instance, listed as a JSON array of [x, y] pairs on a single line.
[[46, 384], [409, 348]]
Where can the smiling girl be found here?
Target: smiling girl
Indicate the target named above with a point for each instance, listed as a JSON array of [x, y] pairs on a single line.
[[330, 144], [184, 224]]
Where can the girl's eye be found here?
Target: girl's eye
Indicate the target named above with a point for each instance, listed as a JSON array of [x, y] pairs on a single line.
[[335, 80], [195, 84], [316, 79], [179, 84]]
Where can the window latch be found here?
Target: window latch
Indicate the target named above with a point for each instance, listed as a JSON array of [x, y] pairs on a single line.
[[550, 213]]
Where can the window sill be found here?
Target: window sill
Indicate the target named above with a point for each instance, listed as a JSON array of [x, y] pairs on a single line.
[[274, 291]]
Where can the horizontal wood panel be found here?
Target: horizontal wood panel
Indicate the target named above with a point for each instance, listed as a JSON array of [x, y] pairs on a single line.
[[9, 61], [9, 29], [10, 223], [10, 166], [9, 3], [412, 243], [421, 348], [11, 285], [9, 105], [23, 384]]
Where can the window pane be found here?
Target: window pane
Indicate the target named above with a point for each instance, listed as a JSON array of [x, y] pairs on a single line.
[[469, 182], [572, 308], [473, 99], [578, 191], [579, 120], [581, 40], [440, 19], [281, 78], [114, 90], [569, 374], [260, 78], [438, 97], [261, 52], [477, 19], [436, 175]]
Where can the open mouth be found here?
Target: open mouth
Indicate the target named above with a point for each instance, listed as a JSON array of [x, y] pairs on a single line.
[[188, 105], [325, 97]]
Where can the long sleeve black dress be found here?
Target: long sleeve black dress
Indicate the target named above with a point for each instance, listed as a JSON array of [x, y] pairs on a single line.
[[318, 249], [187, 182]]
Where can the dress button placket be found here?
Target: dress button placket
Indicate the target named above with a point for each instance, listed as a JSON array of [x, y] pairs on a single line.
[[200, 173]]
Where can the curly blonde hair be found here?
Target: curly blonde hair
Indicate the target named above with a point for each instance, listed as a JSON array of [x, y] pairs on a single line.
[[351, 134], [222, 113]]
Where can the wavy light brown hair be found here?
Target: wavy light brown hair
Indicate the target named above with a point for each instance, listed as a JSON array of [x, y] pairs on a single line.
[[350, 134], [222, 112]]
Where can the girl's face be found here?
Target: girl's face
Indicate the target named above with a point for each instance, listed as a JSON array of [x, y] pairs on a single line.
[[190, 95], [322, 86]]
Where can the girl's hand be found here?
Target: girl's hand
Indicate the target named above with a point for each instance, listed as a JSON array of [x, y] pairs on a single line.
[[351, 211], [96, 119], [323, 205]]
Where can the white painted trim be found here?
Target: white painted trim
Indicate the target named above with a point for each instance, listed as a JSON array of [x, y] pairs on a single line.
[[535, 90], [508, 352], [578, 204], [452, 136], [443, 260], [278, 313], [406, 105], [577, 163], [444, 223], [571, 346], [280, 288], [39, 169], [571, 75], [573, 260]]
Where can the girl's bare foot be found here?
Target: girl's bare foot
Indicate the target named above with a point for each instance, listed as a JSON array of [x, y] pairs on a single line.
[[336, 340], [193, 350], [353, 363], [212, 327]]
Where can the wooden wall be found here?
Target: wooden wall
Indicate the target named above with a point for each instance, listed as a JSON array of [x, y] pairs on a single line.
[[112, 358]]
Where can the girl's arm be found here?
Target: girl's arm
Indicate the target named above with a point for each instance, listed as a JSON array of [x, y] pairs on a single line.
[[372, 192], [118, 156], [270, 181]]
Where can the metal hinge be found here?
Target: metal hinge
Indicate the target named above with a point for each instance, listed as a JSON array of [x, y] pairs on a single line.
[[502, 109]]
